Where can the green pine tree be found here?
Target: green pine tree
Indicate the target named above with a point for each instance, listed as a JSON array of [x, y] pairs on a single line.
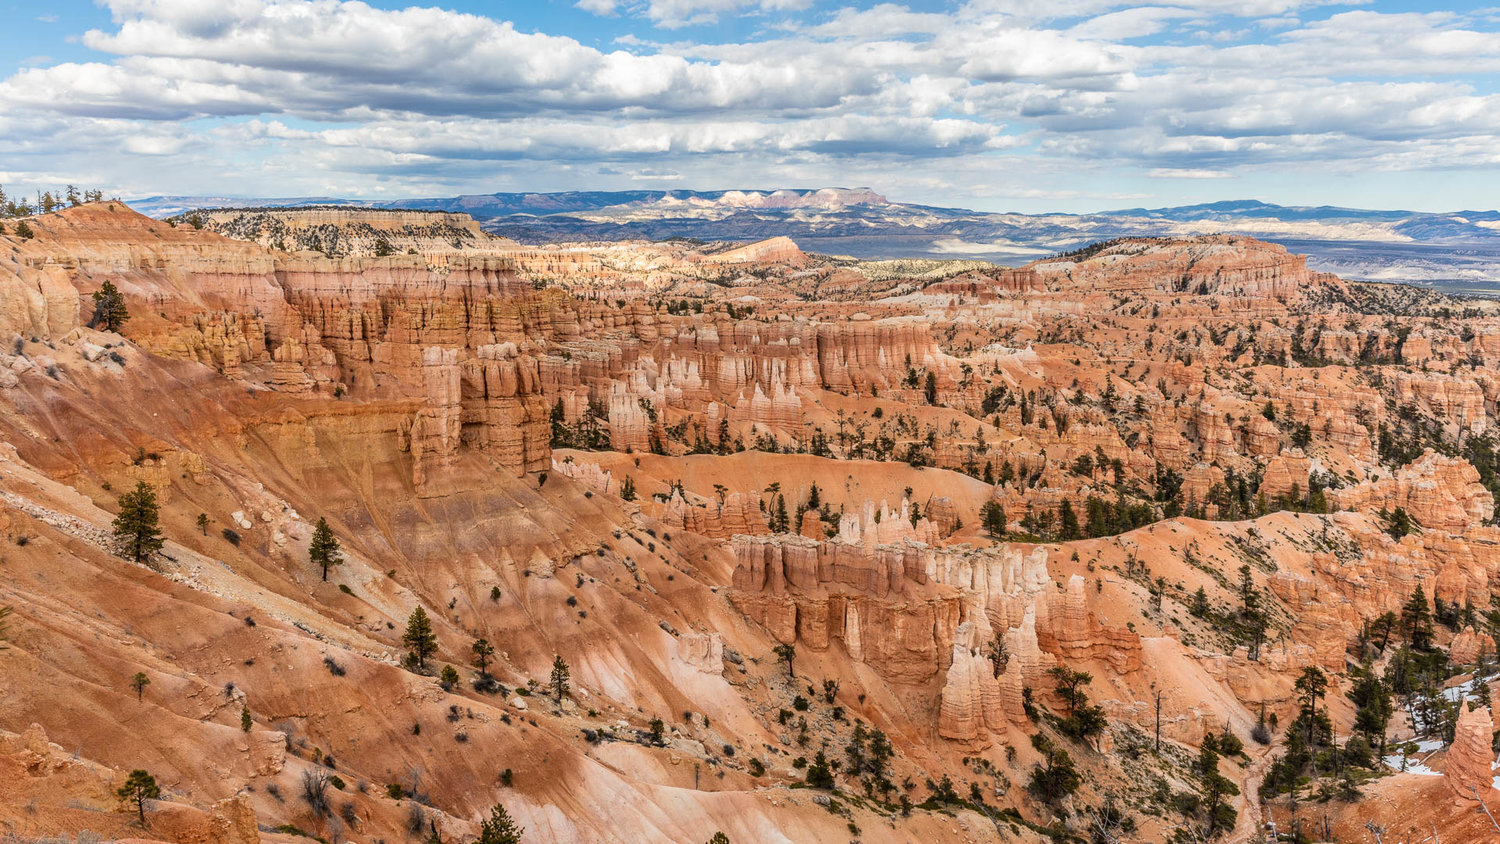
[[136, 527], [139, 682], [1067, 521], [560, 676], [324, 549], [499, 829], [1416, 617], [109, 307], [419, 639], [138, 788], [483, 652]]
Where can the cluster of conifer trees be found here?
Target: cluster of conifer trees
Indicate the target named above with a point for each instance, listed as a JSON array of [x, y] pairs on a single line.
[[46, 201]]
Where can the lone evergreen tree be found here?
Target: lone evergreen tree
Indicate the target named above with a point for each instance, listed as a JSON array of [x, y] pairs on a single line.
[[1416, 617], [992, 516], [109, 307], [203, 523], [785, 653], [139, 682], [483, 651], [560, 675], [324, 549], [138, 788], [499, 829], [136, 527], [419, 639], [719, 838]]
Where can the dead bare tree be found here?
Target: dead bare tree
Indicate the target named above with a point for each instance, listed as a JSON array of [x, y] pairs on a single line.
[[1376, 830], [1486, 809], [315, 790]]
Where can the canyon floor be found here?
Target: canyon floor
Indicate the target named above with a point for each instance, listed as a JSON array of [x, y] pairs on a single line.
[[1160, 540]]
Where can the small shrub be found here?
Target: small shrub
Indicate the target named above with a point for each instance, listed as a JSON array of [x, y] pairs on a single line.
[[232, 537], [334, 667]]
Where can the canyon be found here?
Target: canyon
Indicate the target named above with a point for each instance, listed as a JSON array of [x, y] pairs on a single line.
[[765, 504]]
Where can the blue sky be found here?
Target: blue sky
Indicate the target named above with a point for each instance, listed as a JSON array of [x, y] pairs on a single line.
[[1001, 105]]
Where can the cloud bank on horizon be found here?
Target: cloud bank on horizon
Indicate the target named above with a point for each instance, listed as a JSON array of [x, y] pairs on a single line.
[[999, 104]]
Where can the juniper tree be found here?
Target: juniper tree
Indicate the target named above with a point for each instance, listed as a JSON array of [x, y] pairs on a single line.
[[139, 787], [136, 527], [109, 307], [324, 549], [419, 639]]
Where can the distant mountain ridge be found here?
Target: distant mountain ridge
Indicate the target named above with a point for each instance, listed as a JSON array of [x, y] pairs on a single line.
[[1458, 251]]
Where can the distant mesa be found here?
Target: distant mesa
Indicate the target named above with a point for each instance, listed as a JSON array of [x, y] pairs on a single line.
[[350, 231], [775, 249], [1457, 251]]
